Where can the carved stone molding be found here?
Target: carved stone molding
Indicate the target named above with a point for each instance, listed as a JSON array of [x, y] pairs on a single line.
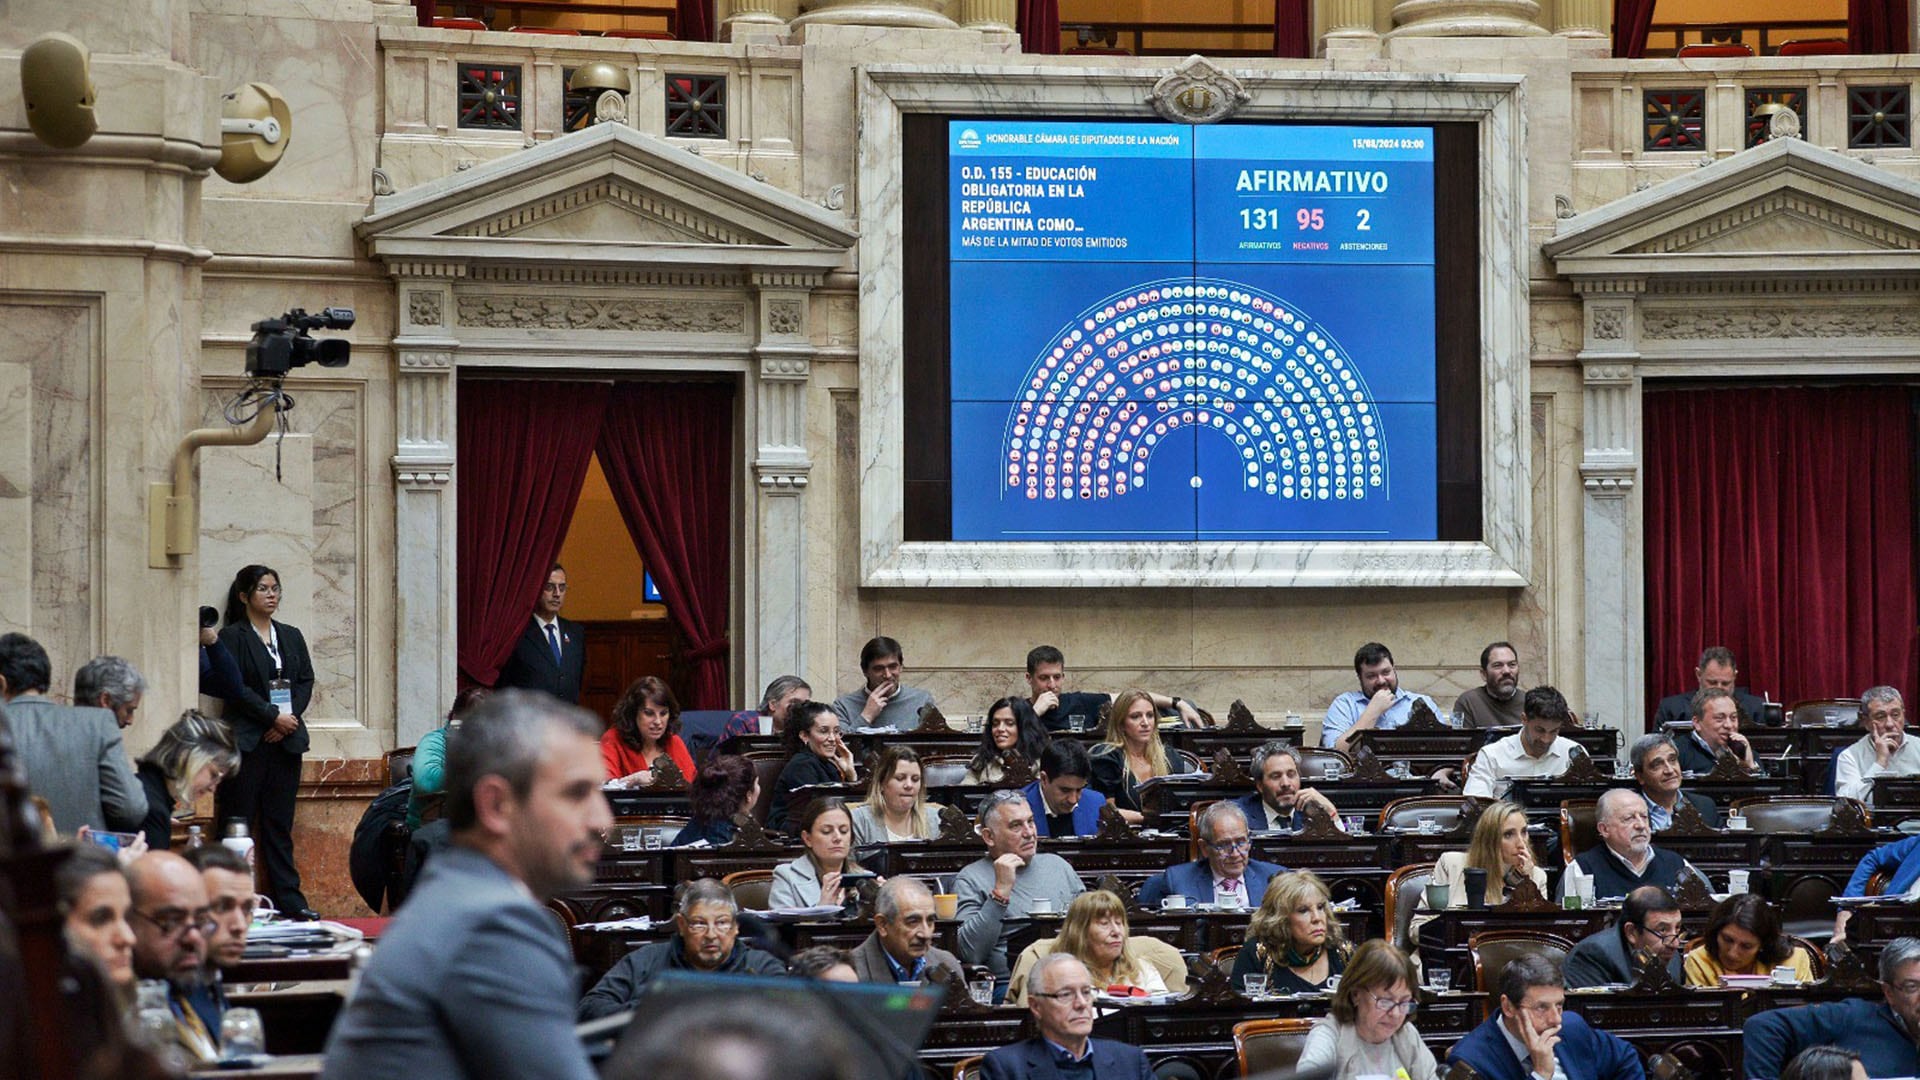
[[428, 360], [423, 308], [1607, 375], [1198, 92], [1610, 286], [534, 312], [1874, 231], [1609, 323], [786, 368], [409, 473], [673, 217], [786, 317], [781, 481], [1709, 323], [1607, 483]]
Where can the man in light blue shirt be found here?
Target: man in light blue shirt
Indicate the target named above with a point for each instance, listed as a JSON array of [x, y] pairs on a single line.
[[1379, 703]]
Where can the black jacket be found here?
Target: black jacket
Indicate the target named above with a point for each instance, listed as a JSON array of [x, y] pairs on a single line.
[[532, 666], [249, 710], [623, 983], [803, 769], [158, 824]]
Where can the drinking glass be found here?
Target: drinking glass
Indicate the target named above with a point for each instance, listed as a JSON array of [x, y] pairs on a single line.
[[1077, 722], [1256, 985], [241, 1034], [981, 991], [1440, 979]]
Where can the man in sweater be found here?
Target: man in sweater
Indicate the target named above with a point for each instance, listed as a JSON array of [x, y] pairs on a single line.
[[1534, 1038], [999, 890], [1884, 750], [1626, 858], [1498, 702], [706, 939], [1881, 1032], [881, 701]]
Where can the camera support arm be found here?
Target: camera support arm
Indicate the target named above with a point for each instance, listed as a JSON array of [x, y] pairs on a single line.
[[173, 510]]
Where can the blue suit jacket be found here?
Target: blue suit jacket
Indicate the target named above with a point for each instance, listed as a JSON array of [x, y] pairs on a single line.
[[1194, 880], [1901, 858], [1772, 1038], [1256, 812], [1583, 1053], [1086, 815], [1032, 1059]]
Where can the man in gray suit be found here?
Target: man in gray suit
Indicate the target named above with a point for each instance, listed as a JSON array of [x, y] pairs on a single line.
[[473, 978], [901, 946], [72, 754]]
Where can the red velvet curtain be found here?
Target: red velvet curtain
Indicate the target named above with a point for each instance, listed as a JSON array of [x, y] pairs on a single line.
[[523, 450], [1877, 26], [1631, 18], [666, 450], [1293, 28], [693, 20], [1780, 524], [1039, 26]]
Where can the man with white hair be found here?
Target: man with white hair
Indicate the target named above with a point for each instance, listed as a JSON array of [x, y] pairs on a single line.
[[1001, 888], [1226, 874], [1625, 859], [901, 947], [1061, 998], [1881, 1032], [110, 683], [1884, 750]]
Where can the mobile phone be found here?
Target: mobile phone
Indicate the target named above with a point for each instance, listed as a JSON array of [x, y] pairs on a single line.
[[113, 841], [857, 876]]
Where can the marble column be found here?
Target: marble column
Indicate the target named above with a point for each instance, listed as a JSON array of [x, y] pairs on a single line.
[[1585, 19], [1611, 507], [1349, 26], [426, 635], [924, 14], [781, 464], [1467, 18], [757, 18], [990, 15]]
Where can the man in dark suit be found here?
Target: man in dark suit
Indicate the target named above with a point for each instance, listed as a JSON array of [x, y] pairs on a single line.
[[1881, 1032], [551, 654], [1717, 671], [72, 754], [473, 979], [1648, 931], [1062, 805], [1716, 730], [1532, 1035], [1228, 874], [1061, 999], [901, 946], [1657, 772], [1277, 801]]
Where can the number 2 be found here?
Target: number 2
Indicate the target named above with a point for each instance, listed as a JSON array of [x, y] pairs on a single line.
[[1365, 217]]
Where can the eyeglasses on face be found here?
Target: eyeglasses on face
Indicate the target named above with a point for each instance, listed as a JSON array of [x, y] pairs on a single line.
[[265, 589], [1391, 1005], [1668, 936], [1231, 847], [1074, 994], [172, 922], [703, 927]]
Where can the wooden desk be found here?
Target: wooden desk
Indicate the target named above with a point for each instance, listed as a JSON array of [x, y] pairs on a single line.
[[296, 1067], [1895, 799], [335, 963], [296, 1015]]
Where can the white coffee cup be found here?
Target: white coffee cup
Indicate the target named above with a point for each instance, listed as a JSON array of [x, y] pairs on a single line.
[[1737, 822], [766, 725], [1042, 905], [1173, 902], [1784, 975], [1230, 901], [1293, 720], [1738, 881]]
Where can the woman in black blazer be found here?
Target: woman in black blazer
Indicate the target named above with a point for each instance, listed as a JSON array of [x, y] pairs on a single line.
[[267, 712], [816, 756]]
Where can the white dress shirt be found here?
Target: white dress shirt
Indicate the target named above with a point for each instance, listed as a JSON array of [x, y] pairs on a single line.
[[1500, 762], [1857, 765]]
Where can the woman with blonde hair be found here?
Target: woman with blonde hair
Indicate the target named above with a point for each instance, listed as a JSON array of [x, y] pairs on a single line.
[[896, 806], [1095, 932], [1501, 848], [1369, 1031], [1131, 753], [1293, 939], [190, 760]]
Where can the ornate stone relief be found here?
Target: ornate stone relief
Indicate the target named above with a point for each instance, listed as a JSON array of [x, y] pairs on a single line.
[[786, 317], [1198, 92], [586, 313], [1609, 323], [682, 220], [423, 308], [1708, 323], [1877, 233]]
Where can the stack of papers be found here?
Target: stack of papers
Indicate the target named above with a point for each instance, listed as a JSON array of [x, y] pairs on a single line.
[[641, 922], [794, 914]]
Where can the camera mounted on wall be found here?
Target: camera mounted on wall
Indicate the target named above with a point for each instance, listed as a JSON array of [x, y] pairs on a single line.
[[282, 344]]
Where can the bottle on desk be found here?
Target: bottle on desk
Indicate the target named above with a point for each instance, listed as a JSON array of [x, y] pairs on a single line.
[[195, 838], [238, 841]]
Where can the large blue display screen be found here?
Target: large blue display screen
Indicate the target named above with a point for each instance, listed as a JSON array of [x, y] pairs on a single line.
[[1163, 332]]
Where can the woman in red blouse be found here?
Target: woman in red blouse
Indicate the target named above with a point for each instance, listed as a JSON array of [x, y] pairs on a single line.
[[646, 727]]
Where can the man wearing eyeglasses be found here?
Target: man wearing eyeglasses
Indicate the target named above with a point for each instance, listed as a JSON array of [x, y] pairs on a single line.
[[1883, 1033], [707, 940], [1227, 874], [1061, 999], [551, 654], [171, 924], [1648, 932], [1534, 1038]]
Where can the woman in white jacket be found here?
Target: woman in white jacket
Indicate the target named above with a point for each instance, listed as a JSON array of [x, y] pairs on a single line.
[[1370, 1029]]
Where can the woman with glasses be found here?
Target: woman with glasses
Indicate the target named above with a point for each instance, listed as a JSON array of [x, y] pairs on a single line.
[[1744, 937], [1370, 1030], [1095, 932], [1293, 939], [188, 762], [815, 755], [1011, 728], [813, 879], [1500, 847], [1132, 753], [267, 712]]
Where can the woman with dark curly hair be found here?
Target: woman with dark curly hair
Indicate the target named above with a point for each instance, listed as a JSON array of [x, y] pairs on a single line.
[[1011, 727], [727, 786], [1744, 938], [645, 728], [1825, 1063]]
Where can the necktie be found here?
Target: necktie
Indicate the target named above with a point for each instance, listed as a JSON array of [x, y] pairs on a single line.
[[1230, 886], [553, 639]]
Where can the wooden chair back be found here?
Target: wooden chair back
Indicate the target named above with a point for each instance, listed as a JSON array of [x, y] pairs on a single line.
[[943, 771], [1493, 950], [766, 765], [750, 888], [1824, 712], [1767, 815], [1266, 1046], [1404, 888], [1407, 814], [968, 1068], [1579, 830], [399, 765]]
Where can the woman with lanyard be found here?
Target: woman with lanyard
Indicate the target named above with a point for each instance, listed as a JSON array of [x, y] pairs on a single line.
[[266, 711]]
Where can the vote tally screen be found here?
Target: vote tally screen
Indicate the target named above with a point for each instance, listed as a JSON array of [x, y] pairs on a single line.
[[1165, 332]]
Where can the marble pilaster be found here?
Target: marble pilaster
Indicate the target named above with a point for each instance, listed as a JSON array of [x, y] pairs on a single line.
[[425, 627], [1610, 510], [781, 464], [991, 15]]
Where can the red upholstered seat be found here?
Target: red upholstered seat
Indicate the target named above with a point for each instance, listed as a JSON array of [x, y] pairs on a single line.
[[1724, 48], [458, 24], [1816, 47], [565, 31]]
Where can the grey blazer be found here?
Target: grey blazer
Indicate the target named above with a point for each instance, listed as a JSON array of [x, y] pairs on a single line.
[[870, 962], [795, 885], [471, 980], [869, 829], [75, 760]]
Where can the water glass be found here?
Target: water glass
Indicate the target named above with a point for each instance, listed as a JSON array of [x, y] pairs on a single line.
[[1256, 986], [1077, 722], [630, 840], [241, 1034], [654, 841], [981, 991], [1440, 979], [1356, 825]]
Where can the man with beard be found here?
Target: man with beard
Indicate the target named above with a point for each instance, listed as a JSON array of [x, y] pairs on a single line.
[[1379, 703], [171, 924], [230, 900], [473, 978], [1499, 702], [1277, 801], [1625, 859]]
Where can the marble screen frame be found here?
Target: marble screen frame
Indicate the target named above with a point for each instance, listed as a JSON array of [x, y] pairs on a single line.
[[1495, 103]]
